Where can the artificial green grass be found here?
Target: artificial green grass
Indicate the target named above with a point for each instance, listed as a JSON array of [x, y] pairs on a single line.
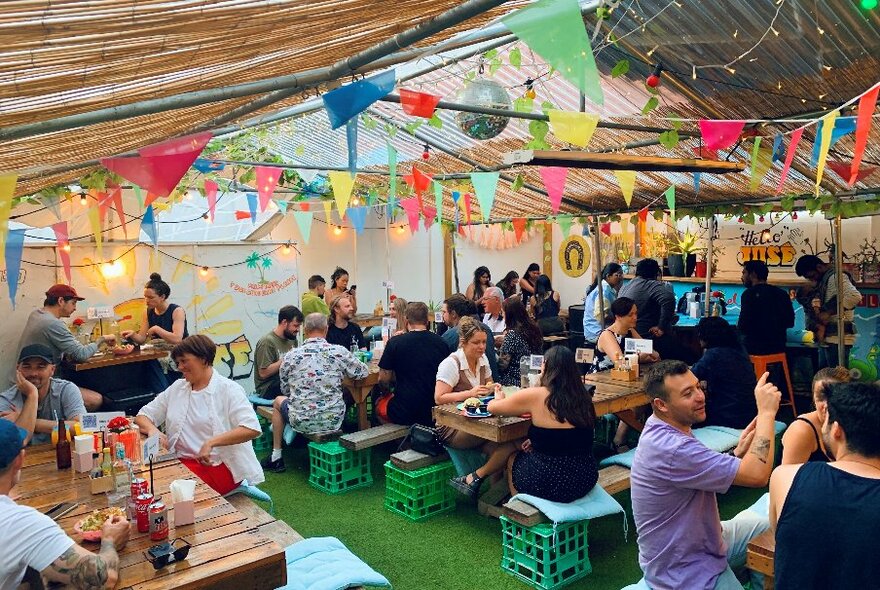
[[455, 550]]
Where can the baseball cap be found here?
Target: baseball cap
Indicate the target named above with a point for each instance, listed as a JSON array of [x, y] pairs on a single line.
[[12, 439], [37, 351], [61, 290]]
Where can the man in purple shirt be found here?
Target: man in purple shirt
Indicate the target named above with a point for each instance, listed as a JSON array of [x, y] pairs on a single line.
[[682, 541]]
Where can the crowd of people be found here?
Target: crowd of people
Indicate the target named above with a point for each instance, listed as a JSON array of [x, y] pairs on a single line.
[[830, 469]]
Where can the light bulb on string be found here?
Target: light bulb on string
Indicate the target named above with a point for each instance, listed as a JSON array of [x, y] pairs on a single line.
[[427, 153], [66, 247], [337, 230], [794, 215], [761, 219], [83, 200], [400, 229], [286, 249], [207, 218], [530, 90], [203, 271]]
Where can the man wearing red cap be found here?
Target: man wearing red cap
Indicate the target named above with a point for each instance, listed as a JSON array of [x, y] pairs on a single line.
[[44, 326]]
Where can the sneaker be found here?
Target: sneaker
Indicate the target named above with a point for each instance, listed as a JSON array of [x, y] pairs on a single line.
[[274, 466], [468, 489]]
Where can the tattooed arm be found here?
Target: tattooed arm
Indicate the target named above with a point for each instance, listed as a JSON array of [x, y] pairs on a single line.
[[757, 462], [84, 570]]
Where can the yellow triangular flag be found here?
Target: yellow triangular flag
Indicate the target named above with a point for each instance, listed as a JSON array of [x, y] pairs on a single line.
[[7, 190], [342, 183], [95, 222], [573, 127], [627, 181], [328, 207], [827, 129]]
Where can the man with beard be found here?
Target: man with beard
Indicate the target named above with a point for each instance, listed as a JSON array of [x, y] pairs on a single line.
[[270, 351], [38, 400], [342, 331], [827, 515]]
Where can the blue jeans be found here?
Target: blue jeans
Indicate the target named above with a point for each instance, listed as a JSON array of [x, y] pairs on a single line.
[[737, 532]]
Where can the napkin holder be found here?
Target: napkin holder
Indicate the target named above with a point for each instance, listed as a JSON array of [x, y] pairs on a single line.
[[624, 375], [82, 462]]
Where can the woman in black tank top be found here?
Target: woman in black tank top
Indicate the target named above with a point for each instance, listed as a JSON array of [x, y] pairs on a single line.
[[801, 442]]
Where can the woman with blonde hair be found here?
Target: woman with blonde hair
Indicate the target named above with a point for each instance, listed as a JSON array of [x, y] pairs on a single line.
[[802, 442]]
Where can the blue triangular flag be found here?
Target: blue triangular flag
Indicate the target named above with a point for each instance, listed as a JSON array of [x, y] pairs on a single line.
[[357, 216], [252, 206], [351, 135], [203, 165], [778, 152], [697, 183], [14, 247], [148, 225], [455, 197], [842, 126], [347, 101]]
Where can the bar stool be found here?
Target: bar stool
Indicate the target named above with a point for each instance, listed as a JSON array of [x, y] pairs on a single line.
[[762, 361]]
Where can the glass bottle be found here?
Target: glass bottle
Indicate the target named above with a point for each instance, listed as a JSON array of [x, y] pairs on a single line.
[[354, 344], [63, 459], [106, 463], [524, 372], [120, 470]]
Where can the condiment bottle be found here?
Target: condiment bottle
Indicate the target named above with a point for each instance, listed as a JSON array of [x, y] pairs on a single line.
[[106, 463], [62, 449]]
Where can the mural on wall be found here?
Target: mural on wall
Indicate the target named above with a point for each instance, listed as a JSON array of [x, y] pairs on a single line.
[[574, 256], [864, 358], [778, 247]]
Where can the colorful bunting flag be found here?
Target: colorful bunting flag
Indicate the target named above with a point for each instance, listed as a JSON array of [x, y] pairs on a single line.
[[252, 206], [828, 122], [863, 127], [151, 197], [843, 170], [307, 176], [718, 135], [670, 199], [643, 214], [411, 206], [160, 167], [519, 226], [51, 202], [842, 126], [573, 127], [418, 104], [605, 228], [627, 181], [564, 222], [148, 225], [465, 200], [792, 148], [438, 200], [204, 166], [7, 190], [239, 214], [116, 199], [211, 195], [418, 180], [62, 238], [12, 255], [139, 195], [351, 138], [342, 183], [304, 222], [357, 216], [697, 177], [267, 180], [485, 185], [304, 206], [704, 153], [554, 29], [778, 152], [554, 181], [392, 181], [430, 215], [762, 160], [348, 101]]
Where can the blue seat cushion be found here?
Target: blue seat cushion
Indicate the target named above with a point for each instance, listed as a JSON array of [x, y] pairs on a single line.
[[325, 563], [595, 504]]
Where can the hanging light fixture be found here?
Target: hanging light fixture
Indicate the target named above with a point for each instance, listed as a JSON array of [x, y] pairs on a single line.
[[203, 271], [337, 230]]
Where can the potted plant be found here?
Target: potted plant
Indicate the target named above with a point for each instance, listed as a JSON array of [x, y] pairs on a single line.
[[682, 249], [702, 264], [869, 259]]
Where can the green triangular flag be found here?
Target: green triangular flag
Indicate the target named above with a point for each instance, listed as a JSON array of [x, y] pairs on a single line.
[[304, 221], [282, 205], [372, 197], [670, 200], [485, 185], [140, 197], [554, 29], [438, 200], [564, 222]]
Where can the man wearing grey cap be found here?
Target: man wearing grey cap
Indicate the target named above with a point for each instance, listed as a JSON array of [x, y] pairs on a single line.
[[36, 547], [38, 400], [44, 326]]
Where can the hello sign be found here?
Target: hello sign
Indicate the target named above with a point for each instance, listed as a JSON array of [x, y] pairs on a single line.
[[777, 246]]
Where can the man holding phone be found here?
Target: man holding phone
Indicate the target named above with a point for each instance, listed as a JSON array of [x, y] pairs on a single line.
[[41, 547]]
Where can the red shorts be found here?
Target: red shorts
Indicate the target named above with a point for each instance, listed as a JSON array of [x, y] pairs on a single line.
[[382, 407], [217, 476]]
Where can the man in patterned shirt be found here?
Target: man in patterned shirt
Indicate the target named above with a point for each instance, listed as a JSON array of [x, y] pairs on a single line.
[[311, 387]]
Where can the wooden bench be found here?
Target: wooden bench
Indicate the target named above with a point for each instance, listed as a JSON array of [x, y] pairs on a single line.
[[614, 478], [410, 460], [364, 439], [266, 412]]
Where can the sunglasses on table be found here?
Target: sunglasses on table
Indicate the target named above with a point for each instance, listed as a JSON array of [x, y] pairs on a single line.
[[161, 555]]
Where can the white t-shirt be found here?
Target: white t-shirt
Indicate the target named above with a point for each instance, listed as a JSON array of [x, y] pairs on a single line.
[[449, 372], [195, 430], [496, 324], [38, 541]]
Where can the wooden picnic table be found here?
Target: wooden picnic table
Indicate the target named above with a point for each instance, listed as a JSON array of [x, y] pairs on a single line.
[[368, 320], [360, 390], [760, 554], [606, 400], [108, 359], [228, 550], [608, 392]]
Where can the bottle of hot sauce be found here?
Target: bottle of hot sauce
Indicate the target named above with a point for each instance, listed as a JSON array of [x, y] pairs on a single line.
[[62, 449]]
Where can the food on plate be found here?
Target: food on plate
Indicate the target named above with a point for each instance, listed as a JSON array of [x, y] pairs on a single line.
[[95, 521], [472, 402], [490, 384], [123, 349]]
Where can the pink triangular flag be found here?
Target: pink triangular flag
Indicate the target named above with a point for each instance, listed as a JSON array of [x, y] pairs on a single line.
[[178, 145], [718, 135], [643, 214], [605, 228], [792, 147], [465, 200], [63, 240], [411, 206], [267, 180], [863, 128], [103, 199], [843, 170], [519, 226], [554, 181], [430, 216], [160, 167], [211, 195]]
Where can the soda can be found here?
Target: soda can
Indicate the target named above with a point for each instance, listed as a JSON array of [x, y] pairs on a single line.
[[139, 486], [142, 512], [158, 521]]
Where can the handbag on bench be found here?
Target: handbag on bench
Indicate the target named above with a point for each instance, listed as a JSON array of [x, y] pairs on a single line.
[[423, 439]]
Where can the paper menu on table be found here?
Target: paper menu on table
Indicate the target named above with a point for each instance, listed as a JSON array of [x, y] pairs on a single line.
[[639, 345], [584, 355], [151, 448], [390, 324], [95, 421], [535, 361]]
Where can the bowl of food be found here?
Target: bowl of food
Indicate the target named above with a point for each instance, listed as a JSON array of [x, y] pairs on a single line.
[[123, 349], [474, 406], [90, 527]]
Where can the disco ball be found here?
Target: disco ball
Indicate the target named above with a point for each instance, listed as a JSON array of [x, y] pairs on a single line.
[[483, 93]]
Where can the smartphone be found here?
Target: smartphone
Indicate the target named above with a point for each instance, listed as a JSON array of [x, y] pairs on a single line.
[[60, 510], [352, 288]]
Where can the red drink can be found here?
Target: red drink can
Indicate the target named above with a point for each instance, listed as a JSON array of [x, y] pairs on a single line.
[[142, 511], [158, 521], [139, 486]]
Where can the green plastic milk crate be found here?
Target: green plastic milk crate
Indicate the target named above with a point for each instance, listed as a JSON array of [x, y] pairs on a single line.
[[419, 494], [264, 441], [335, 469], [544, 560]]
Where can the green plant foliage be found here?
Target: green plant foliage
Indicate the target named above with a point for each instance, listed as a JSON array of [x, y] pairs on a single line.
[[539, 131], [658, 215], [523, 104], [669, 138], [620, 68], [470, 76], [391, 130], [515, 57], [547, 106], [435, 121], [518, 182], [369, 122], [652, 104], [494, 65], [412, 126], [490, 54]]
